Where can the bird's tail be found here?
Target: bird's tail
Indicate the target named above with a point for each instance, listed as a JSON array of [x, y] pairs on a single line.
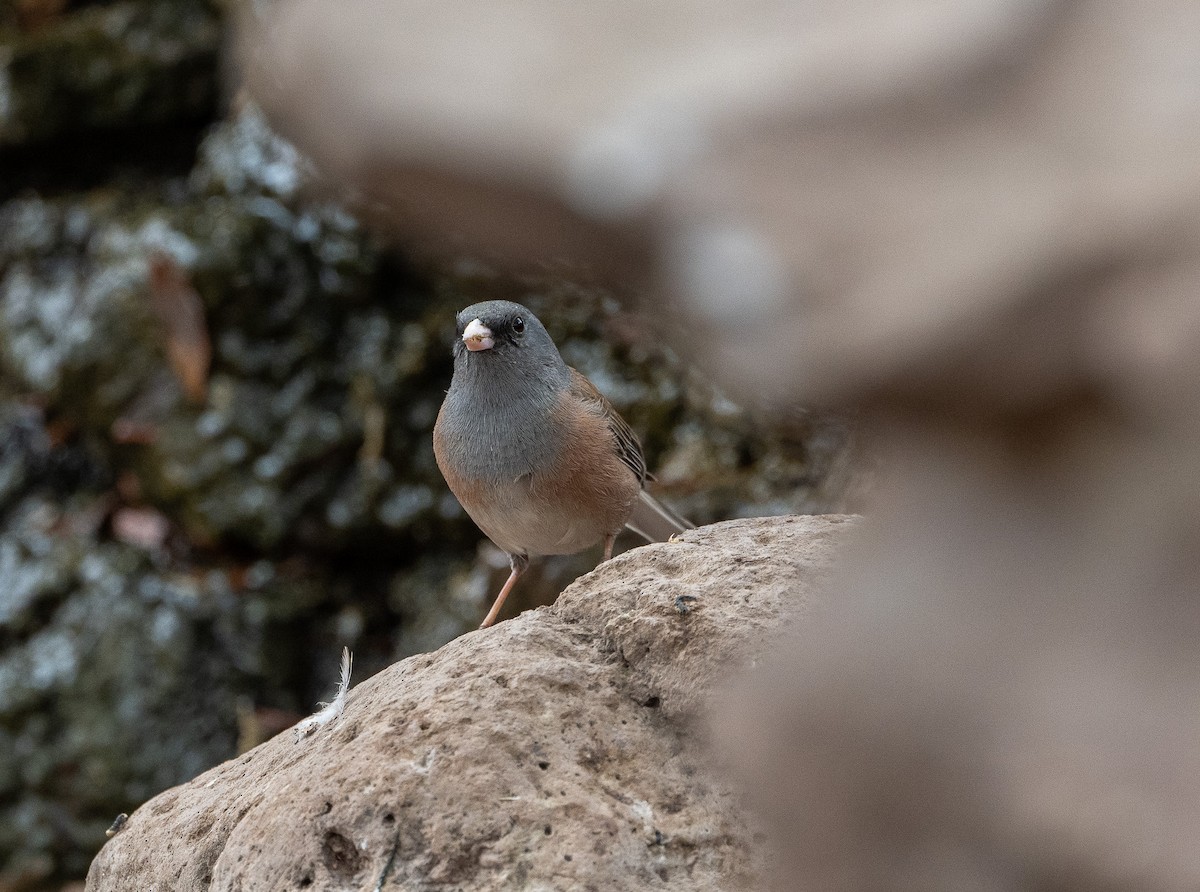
[[654, 521]]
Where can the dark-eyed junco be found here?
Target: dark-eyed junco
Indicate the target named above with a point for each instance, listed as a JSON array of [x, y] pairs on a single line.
[[536, 455]]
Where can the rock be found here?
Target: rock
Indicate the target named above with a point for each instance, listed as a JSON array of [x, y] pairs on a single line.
[[679, 617], [1004, 693], [120, 671], [552, 751], [838, 197], [1014, 704], [118, 676], [123, 65]]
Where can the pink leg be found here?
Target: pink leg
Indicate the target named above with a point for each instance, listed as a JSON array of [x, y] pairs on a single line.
[[518, 563], [608, 547]]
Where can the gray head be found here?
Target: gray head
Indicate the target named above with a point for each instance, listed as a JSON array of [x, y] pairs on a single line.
[[502, 339], [498, 416]]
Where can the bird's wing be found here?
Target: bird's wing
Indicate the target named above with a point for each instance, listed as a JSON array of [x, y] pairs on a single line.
[[628, 446]]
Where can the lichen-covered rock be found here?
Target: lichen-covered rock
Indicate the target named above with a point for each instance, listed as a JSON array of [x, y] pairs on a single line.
[[111, 65], [550, 752], [113, 670]]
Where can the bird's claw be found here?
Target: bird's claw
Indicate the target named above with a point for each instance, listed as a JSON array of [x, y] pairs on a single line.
[[682, 603]]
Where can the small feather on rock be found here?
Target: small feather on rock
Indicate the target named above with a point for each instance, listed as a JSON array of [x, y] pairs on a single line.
[[334, 708]]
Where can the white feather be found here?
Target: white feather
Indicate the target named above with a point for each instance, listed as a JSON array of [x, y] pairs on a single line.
[[334, 708]]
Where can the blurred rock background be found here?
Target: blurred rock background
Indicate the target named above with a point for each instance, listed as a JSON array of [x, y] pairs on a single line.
[[216, 394]]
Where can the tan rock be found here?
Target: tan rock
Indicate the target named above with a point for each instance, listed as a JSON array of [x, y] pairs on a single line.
[[551, 752]]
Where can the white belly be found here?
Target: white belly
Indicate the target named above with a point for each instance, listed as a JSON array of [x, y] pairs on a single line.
[[520, 522]]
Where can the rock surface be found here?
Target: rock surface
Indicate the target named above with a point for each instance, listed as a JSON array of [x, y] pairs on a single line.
[[554, 751]]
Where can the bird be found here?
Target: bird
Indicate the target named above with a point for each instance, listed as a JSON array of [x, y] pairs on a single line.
[[535, 454]]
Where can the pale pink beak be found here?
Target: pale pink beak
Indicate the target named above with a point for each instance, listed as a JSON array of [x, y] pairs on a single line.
[[478, 336]]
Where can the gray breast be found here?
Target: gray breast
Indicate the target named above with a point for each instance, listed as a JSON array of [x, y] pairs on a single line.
[[500, 426]]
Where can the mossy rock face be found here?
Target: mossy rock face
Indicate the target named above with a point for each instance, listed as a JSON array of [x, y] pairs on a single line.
[[186, 552], [107, 66], [117, 673]]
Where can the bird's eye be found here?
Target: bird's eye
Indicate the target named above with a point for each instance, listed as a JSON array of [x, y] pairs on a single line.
[[518, 325]]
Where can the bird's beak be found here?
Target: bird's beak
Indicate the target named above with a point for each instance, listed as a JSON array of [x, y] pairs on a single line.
[[478, 336]]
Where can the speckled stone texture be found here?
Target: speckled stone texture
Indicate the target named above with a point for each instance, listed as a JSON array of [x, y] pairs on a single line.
[[557, 750]]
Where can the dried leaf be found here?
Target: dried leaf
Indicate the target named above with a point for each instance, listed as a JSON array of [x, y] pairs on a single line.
[[180, 313]]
